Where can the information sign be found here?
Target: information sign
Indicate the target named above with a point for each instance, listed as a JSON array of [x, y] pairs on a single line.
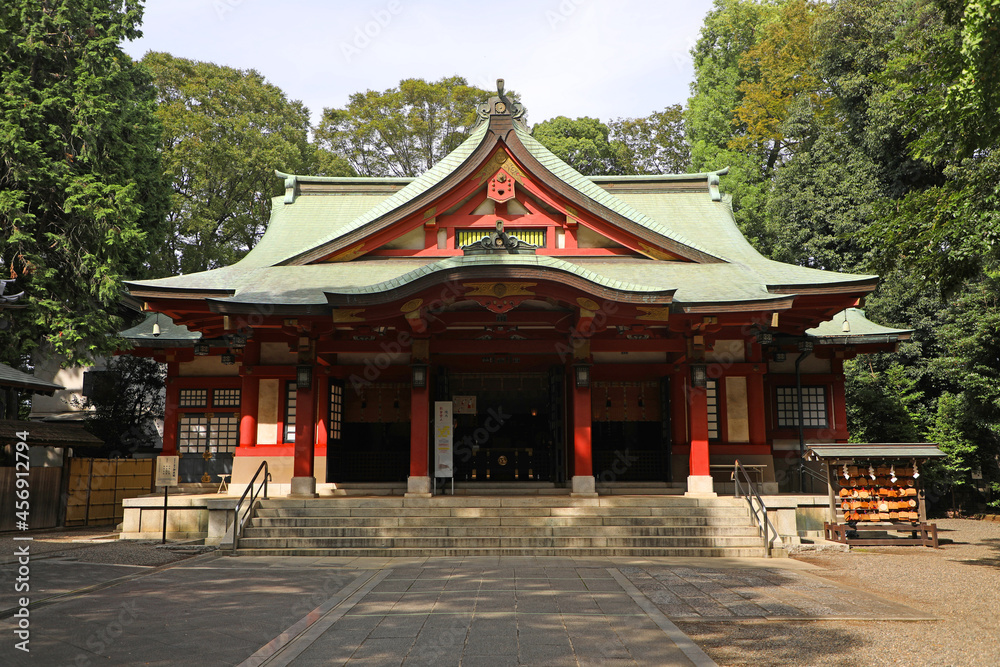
[[443, 439]]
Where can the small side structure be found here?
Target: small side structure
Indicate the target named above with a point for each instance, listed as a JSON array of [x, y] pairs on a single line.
[[875, 490]]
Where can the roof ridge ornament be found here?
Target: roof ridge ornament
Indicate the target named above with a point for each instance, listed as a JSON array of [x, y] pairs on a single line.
[[501, 105]]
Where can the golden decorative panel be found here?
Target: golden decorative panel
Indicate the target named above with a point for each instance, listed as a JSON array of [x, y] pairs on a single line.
[[500, 290], [655, 313], [411, 305], [348, 315]]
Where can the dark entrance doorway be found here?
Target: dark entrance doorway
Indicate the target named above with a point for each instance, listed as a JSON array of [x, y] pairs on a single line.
[[630, 434], [508, 426]]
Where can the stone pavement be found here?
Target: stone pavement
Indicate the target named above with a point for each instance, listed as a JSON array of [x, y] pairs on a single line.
[[217, 610]]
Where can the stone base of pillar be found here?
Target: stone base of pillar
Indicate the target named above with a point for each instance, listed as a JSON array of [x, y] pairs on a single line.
[[303, 487], [418, 487], [584, 486], [701, 486]]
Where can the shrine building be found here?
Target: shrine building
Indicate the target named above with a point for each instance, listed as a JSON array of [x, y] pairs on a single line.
[[588, 332]]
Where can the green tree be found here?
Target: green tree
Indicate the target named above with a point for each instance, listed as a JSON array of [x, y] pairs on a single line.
[[127, 400], [402, 131], [81, 191], [730, 31], [654, 144], [225, 132], [583, 144]]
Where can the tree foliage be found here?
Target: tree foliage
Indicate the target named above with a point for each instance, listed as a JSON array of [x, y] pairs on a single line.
[[402, 131], [127, 404], [81, 192], [652, 145], [862, 136], [582, 143], [225, 132]]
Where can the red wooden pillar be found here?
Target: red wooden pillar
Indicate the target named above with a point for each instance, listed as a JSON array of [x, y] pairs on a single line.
[[699, 476], [305, 431], [303, 479], [170, 413], [583, 460], [756, 410], [419, 482], [249, 395]]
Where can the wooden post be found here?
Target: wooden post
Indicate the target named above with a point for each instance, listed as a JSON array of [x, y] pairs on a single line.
[[419, 431], [699, 482], [249, 395], [583, 459], [831, 475], [170, 414]]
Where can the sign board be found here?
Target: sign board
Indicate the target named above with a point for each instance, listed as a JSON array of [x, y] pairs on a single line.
[[444, 433], [464, 405], [166, 470]]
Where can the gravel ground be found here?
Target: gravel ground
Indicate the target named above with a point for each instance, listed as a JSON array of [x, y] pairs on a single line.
[[96, 545], [959, 583]]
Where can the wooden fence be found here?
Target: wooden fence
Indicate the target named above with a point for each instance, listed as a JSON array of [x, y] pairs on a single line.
[[97, 488], [45, 486]]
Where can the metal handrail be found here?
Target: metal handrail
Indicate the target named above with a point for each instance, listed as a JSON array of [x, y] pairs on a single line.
[[760, 511], [237, 522], [815, 475]]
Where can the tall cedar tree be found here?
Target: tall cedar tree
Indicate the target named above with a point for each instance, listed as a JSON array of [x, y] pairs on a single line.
[[81, 192]]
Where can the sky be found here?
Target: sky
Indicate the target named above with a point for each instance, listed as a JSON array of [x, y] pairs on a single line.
[[599, 58]]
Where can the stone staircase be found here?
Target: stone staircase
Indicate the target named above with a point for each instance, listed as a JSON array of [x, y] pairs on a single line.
[[502, 526]]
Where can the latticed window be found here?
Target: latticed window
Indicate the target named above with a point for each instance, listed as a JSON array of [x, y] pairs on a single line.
[[712, 395], [336, 409], [193, 398], [813, 407], [290, 399], [464, 237], [199, 431], [226, 398]]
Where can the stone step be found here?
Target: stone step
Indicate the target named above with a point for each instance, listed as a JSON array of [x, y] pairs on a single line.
[[473, 512], [503, 501], [517, 521], [501, 532], [629, 552], [491, 542]]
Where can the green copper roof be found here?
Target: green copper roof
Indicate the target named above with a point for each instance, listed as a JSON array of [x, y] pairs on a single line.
[[11, 377], [503, 259], [862, 330], [417, 186], [586, 186], [171, 335], [299, 227], [874, 450]]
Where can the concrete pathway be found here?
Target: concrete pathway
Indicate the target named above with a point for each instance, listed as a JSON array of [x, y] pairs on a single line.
[[217, 610]]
